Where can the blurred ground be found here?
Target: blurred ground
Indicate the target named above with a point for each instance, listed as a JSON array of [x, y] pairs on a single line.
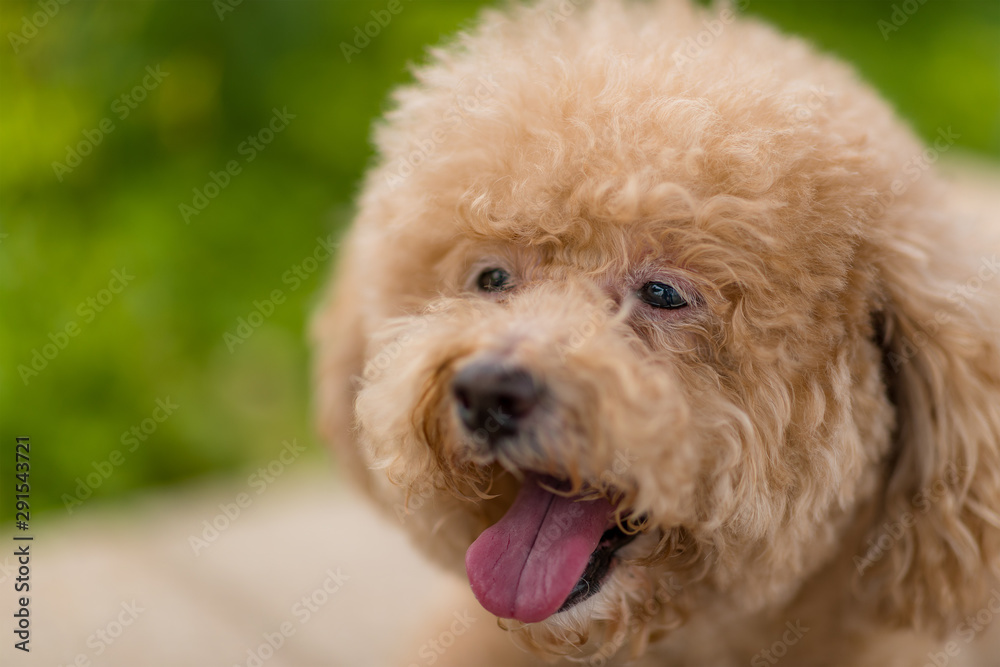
[[367, 595], [122, 587]]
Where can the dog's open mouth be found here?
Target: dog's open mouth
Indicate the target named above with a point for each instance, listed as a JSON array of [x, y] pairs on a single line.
[[546, 554]]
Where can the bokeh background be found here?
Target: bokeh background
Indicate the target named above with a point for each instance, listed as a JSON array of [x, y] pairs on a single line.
[[228, 66]]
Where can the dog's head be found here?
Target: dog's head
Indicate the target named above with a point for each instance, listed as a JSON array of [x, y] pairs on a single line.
[[647, 312]]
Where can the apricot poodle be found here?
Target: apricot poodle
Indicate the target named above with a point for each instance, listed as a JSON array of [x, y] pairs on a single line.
[[681, 344]]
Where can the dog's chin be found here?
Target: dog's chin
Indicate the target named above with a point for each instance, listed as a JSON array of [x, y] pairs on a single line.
[[633, 604], [622, 614]]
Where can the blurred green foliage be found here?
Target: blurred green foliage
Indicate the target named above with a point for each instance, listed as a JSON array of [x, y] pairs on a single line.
[[164, 334]]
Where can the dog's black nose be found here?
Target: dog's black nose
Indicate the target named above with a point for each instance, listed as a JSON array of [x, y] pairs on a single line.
[[494, 399]]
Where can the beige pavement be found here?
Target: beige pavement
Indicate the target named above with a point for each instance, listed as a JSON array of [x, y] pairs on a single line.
[[122, 586]]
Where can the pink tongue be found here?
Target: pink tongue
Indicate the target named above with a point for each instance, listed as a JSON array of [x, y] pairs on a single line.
[[526, 565]]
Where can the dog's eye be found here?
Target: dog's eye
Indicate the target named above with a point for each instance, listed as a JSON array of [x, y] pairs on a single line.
[[661, 295], [493, 280]]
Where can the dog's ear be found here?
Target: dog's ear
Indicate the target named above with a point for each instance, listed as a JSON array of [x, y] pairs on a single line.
[[339, 346], [936, 543]]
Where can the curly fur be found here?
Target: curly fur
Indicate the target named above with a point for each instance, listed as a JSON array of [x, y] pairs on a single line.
[[835, 374]]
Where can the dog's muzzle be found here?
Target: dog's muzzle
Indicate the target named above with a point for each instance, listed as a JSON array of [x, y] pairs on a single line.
[[551, 550]]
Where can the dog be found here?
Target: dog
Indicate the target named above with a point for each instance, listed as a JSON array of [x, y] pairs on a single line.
[[679, 345]]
